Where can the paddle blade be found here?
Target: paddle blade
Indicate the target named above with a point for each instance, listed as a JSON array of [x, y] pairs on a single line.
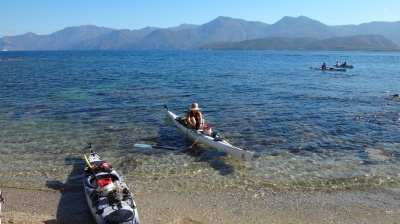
[[143, 146]]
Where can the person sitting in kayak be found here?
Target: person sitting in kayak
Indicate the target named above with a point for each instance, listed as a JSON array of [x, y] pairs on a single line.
[[323, 67], [344, 64], [337, 64], [194, 117]]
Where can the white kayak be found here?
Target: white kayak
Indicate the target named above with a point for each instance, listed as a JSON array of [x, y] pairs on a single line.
[[107, 194], [212, 140]]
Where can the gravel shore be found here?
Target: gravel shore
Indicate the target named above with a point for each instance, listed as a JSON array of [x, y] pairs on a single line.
[[376, 206]]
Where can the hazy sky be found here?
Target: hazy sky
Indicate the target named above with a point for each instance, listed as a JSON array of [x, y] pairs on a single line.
[[47, 16]]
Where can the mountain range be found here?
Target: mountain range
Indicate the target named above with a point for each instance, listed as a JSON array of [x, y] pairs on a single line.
[[370, 42], [289, 33]]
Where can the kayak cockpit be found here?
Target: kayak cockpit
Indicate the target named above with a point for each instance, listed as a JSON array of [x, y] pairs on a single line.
[[205, 131]]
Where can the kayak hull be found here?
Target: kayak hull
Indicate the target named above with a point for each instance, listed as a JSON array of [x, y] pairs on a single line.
[[212, 141], [108, 208], [330, 69], [344, 66]]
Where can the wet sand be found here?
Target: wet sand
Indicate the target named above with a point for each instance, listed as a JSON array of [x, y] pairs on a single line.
[[376, 206]]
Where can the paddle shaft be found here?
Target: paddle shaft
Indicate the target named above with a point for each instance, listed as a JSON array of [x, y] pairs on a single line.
[[211, 153], [157, 147], [90, 167], [88, 163]]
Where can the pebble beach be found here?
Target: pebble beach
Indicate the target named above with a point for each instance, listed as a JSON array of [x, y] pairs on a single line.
[[375, 206]]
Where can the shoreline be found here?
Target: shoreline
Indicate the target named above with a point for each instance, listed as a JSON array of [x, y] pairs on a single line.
[[374, 206]]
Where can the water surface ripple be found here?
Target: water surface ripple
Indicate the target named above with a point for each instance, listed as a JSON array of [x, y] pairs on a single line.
[[311, 130]]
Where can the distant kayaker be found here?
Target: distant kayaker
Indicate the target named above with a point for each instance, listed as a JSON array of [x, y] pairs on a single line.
[[344, 64], [337, 64], [195, 118], [323, 67]]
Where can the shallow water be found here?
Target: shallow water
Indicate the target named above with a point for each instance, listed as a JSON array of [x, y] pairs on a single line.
[[311, 130]]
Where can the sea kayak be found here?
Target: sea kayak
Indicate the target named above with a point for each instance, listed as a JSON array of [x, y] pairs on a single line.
[[211, 139], [107, 194], [330, 69], [344, 66]]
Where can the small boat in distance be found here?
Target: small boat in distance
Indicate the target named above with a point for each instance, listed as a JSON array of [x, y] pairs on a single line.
[[329, 69], [344, 66]]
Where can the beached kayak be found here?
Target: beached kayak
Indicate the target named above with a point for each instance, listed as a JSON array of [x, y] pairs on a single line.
[[210, 138], [107, 194], [330, 69]]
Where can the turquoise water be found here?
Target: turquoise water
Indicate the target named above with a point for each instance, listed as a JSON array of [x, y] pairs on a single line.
[[311, 130]]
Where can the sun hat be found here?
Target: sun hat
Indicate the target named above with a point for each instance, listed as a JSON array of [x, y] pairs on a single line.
[[195, 106]]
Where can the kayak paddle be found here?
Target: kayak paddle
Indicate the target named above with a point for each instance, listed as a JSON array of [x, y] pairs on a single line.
[[156, 147], [88, 163], [211, 153]]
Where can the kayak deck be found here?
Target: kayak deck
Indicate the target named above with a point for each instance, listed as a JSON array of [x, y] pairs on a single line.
[[213, 140]]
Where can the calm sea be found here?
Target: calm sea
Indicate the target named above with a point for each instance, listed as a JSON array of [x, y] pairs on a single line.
[[311, 130]]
